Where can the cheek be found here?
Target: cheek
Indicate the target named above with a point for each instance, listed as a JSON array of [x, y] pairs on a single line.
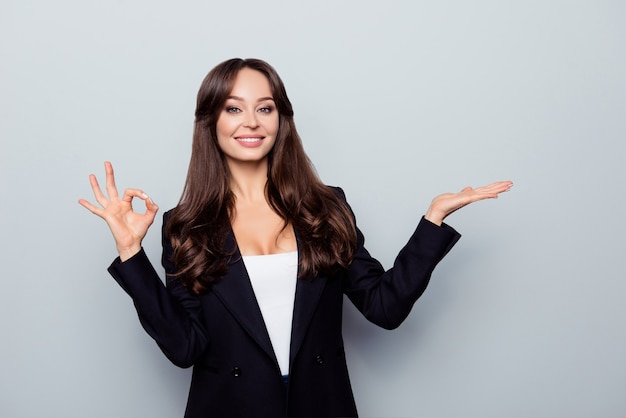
[[221, 127], [225, 130], [275, 125], [222, 133]]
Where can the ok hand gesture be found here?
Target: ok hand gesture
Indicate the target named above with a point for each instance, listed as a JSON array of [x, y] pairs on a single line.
[[128, 227]]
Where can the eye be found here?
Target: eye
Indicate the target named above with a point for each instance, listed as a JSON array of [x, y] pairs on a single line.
[[266, 109], [232, 109]]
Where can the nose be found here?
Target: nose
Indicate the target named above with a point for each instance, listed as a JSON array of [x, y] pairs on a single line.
[[250, 120]]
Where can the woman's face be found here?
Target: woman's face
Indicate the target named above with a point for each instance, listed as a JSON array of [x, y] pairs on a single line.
[[248, 123]]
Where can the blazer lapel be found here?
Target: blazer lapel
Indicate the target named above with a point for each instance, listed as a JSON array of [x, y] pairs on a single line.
[[236, 293], [308, 292]]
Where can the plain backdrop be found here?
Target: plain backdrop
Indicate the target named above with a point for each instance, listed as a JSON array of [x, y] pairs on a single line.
[[396, 102]]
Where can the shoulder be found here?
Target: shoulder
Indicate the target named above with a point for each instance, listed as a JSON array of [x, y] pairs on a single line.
[[337, 191], [167, 215]]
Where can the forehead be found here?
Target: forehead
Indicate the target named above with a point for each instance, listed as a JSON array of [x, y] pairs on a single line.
[[251, 84]]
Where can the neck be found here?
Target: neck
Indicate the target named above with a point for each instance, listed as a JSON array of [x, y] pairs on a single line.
[[248, 180]]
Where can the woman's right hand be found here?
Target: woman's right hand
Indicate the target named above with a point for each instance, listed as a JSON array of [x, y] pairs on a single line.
[[128, 227]]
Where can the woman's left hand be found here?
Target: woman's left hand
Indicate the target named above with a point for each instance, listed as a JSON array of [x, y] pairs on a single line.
[[447, 203]]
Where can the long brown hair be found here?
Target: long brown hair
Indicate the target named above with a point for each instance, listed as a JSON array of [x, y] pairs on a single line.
[[199, 225]]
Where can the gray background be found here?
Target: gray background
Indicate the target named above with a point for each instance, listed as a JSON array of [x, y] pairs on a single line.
[[396, 102]]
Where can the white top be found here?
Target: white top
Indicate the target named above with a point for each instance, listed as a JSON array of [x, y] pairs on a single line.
[[273, 279]]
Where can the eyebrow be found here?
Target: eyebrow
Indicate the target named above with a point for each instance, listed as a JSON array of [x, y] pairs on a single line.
[[241, 99]]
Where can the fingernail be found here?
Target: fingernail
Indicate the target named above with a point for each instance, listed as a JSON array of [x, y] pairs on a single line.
[[145, 196]]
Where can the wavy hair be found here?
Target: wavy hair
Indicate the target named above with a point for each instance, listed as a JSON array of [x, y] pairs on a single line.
[[200, 223]]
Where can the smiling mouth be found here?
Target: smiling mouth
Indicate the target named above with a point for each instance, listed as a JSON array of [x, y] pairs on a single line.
[[249, 139]]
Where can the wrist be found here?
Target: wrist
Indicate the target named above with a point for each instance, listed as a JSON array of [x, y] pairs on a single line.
[[434, 217], [128, 252]]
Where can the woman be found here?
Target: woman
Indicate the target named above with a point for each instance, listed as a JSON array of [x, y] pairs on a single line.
[[258, 255]]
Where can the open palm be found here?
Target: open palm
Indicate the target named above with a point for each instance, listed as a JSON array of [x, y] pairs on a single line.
[[447, 203]]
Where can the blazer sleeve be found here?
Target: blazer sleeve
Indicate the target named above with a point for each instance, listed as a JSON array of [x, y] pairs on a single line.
[[170, 315], [387, 297]]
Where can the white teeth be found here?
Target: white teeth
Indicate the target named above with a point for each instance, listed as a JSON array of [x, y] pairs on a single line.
[[248, 139]]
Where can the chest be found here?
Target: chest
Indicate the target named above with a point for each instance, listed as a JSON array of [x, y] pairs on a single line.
[[259, 230]]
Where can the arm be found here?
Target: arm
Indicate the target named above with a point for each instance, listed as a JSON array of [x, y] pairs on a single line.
[[170, 316], [387, 297]]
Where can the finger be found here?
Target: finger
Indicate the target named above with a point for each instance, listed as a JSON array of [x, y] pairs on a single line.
[[151, 207], [501, 186], [129, 194], [498, 187], [97, 191], [492, 190], [507, 185], [90, 207], [110, 181]]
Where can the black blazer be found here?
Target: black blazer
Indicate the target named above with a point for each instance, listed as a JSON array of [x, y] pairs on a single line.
[[223, 336]]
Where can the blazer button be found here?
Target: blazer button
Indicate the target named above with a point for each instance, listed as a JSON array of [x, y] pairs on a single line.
[[236, 371], [319, 359]]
